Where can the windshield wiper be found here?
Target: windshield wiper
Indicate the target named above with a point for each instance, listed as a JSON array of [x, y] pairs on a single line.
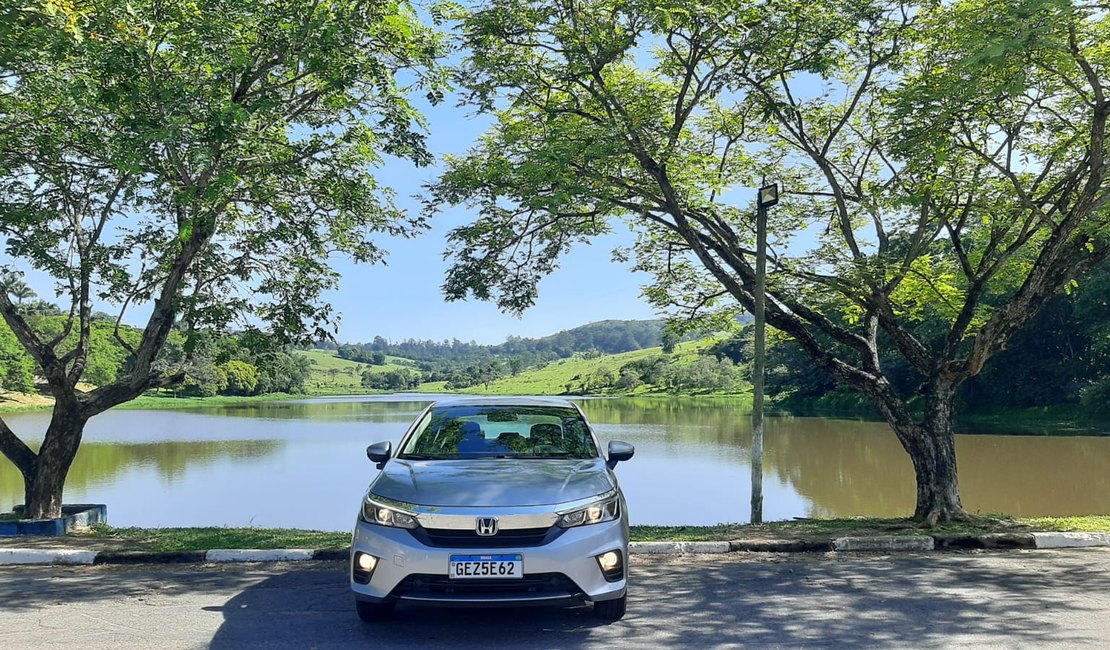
[[423, 457]]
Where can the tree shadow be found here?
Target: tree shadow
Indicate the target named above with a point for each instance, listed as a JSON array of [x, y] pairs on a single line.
[[796, 600], [314, 608], [34, 587], [1009, 599]]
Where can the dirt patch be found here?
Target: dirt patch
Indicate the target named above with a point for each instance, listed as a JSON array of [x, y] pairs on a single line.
[[12, 400], [72, 541]]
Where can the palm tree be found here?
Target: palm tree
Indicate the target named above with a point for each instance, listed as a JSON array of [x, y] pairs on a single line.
[[11, 283], [21, 291]]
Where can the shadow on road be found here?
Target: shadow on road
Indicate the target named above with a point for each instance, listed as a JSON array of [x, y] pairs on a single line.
[[905, 601], [1002, 599], [314, 608]]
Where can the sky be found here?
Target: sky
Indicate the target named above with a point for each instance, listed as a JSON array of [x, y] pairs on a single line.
[[403, 299]]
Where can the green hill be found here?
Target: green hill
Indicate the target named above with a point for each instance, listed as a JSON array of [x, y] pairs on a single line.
[[646, 371], [331, 375]]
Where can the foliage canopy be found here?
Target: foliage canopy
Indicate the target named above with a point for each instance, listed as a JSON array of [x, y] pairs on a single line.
[[943, 164], [204, 157]]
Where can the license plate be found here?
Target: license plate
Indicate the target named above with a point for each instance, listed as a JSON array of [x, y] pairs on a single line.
[[486, 566]]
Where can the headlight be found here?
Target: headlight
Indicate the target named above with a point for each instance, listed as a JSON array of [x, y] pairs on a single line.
[[376, 513], [606, 509]]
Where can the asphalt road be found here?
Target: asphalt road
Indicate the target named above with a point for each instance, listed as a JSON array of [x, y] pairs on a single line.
[[1011, 599]]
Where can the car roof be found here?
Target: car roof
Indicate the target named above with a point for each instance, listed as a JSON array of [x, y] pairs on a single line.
[[504, 401]]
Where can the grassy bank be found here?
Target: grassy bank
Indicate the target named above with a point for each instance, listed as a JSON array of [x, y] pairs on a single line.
[[169, 401], [869, 526], [564, 376], [162, 401], [331, 375], [1059, 420], [203, 539]]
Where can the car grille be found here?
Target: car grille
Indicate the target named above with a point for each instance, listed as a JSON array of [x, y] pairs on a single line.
[[505, 538], [429, 585]]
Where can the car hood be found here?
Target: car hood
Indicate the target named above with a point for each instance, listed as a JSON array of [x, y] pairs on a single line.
[[492, 482]]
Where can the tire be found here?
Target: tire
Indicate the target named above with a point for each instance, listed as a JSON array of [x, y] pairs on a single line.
[[611, 610], [374, 612]]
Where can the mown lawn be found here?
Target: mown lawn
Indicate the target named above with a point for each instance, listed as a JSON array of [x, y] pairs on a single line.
[[203, 539]]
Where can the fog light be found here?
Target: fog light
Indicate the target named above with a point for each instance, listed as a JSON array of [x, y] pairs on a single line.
[[366, 562], [363, 567], [611, 564]]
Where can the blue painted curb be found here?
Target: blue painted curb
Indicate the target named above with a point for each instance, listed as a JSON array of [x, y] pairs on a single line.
[[74, 516]]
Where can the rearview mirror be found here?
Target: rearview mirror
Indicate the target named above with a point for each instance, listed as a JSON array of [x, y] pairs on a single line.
[[619, 451], [380, 452]]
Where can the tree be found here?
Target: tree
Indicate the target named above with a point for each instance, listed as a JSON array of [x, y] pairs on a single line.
[[242, 377], [395, 379], [628, 381], [670, 340], [16, 367], [16, 287], [203, 157], [950, 156]]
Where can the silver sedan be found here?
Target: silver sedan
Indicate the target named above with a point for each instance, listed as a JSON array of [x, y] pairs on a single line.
[[504, 501]]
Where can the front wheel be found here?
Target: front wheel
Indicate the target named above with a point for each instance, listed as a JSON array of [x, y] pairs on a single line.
[[374, 612], [611, 610]]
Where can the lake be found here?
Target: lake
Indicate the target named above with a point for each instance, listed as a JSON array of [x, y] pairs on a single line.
[[302, 463]]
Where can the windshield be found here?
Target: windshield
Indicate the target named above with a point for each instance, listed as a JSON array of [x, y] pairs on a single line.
[[500, 431]]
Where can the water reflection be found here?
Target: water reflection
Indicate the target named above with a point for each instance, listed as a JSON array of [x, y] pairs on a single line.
[[302, 463]]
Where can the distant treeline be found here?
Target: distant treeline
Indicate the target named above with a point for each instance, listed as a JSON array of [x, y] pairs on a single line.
[[460, 364], [606, 337], [1061, 358]]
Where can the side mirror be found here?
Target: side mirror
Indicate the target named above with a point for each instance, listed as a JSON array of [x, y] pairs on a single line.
[[380, 452], [619, 451]]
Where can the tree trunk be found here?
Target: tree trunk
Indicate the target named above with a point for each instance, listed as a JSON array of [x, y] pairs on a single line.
[[931, 445], [44, 485]]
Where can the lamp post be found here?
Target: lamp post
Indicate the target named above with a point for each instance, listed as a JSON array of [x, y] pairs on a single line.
[[768, 196]]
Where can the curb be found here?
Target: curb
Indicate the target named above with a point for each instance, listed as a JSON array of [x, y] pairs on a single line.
[[1070, 540], [46, 556], [781, 546], [260, 555], [886, 544], [994, 541], [677, 548]]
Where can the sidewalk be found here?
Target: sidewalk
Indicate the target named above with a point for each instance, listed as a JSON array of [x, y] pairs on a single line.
[[79, 549]]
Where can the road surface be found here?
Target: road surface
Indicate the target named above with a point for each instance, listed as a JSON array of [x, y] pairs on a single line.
[[1011, 599]]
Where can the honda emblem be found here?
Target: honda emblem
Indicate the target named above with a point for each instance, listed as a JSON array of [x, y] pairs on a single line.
[[486, 526]]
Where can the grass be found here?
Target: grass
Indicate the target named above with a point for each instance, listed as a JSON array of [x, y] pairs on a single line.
[[167, 400], [1085, 524], [553, 378], [163, 401], [331, 375], [203, 539], [870, 526]]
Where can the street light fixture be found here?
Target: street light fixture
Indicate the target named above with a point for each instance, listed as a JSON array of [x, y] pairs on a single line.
[[767, 197]]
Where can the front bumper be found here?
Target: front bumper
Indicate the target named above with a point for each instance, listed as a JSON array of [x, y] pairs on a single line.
[[560, 572]]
